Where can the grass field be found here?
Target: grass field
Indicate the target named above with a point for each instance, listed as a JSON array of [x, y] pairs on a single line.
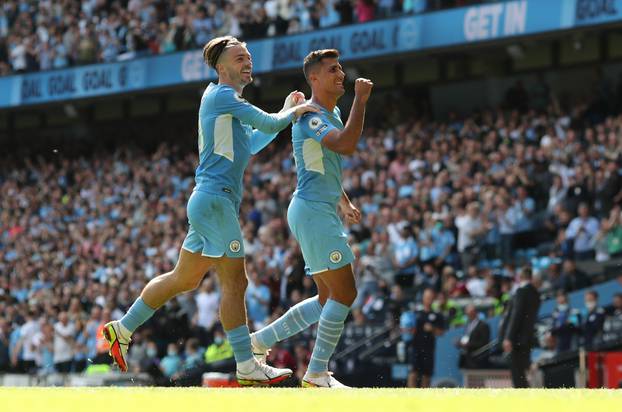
[[294, 400]]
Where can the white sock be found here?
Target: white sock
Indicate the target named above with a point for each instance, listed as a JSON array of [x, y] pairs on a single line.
[[247, 366]]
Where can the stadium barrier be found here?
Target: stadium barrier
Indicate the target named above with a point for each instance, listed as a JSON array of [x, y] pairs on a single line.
[[77, 379]]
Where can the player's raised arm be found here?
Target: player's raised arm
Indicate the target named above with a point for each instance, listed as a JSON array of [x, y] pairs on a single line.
[[345, 141], [228, 101], [260, 139]]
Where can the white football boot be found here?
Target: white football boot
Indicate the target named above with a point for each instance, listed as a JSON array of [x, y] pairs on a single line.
[[321, 380], [261, 374]]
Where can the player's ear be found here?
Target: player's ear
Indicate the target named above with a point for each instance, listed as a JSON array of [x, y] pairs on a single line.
[[312, 76]]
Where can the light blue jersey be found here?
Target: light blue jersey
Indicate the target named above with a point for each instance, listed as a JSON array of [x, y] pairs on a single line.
[[226, 142], [312, 213], [227, 139], [318, 168]]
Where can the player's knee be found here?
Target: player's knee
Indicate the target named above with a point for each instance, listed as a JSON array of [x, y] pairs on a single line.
[[351, 297], [345, 297]]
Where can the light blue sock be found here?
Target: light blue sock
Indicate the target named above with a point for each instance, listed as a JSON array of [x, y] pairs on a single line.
[[240, 341], [328, 334], [296, 319], [138, 314]]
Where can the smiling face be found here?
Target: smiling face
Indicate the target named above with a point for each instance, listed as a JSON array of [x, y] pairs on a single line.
[[328, 77], [235, 66]]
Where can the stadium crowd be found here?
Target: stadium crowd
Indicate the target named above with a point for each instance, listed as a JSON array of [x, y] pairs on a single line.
[[52, 34], [450, 210]]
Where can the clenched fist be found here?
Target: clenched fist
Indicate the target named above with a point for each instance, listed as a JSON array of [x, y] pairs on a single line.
[[362, 89]]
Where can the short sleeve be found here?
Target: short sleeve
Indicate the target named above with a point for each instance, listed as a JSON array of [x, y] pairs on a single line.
[[315, 126]]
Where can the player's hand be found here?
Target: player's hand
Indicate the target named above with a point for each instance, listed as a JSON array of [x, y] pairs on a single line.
[[351, 213], [428, 327], [304, 108], [362, 89], [293, 99], [507, 346]]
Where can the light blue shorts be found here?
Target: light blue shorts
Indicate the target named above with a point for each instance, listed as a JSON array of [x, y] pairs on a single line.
[[214, 226], [321, 235]]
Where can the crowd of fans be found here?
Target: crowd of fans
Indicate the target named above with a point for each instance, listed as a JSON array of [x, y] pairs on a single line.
[[450, 210], [52, 34]]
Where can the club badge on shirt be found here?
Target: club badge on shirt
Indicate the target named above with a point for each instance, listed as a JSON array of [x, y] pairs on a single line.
[[234, 246]]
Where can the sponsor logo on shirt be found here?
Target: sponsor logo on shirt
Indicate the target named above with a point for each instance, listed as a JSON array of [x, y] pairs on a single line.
[[321, 129], [315, 122]]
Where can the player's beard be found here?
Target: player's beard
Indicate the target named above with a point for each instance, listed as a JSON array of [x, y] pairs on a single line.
[[243, 77], [238, 77]]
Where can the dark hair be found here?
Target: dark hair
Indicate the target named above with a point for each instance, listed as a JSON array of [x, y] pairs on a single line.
[[315, 57], [214, 48], [526, 272], [592, 293]]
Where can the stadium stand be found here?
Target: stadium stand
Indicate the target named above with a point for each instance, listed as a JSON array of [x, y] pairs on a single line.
[[53, 34]]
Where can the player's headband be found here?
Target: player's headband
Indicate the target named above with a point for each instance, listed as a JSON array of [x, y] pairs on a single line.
[[222, 46], [219, 48]]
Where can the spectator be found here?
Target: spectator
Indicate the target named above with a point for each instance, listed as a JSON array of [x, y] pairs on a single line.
[[151, 364], [557, 194], [64, 333], [202, 27], [507, 220], [581, 234], [4, 345], [385, 8], [193, 354], [593, 320], [470, 231], [475, 283], [613, 322], [257, 300], [43, 344], [365, 10], [476, 336], [616, 309], [219, 355], [405, 257], [611, 232], [407, 324], [524, 208], [26, 344], [429, 325], [172, 362], [572, 278], [564, 327], [345, 10], [138, 354], [207, 303], [449, 308]]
